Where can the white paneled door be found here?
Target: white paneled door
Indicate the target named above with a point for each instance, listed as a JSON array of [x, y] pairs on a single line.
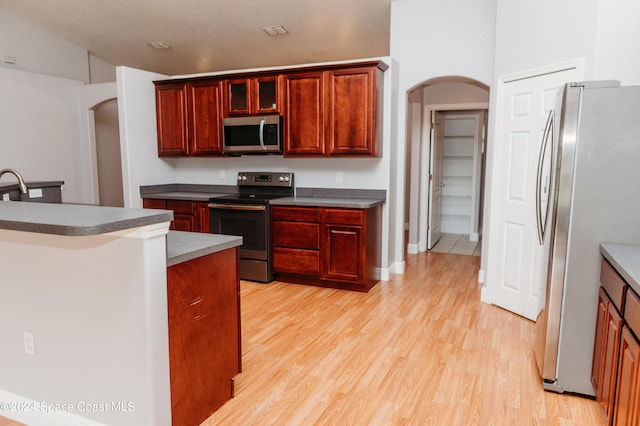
[[517, 264], [434, 231]]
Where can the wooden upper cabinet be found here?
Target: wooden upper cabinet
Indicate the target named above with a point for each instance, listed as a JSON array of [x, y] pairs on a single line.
[[304, 114], [189, 119], [351, 119], [328, 110], [171, 116], [333, 112], [251, 96], [204, 112]]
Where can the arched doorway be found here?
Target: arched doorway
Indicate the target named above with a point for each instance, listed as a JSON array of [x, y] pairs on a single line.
[[456, 194], [108, 160]]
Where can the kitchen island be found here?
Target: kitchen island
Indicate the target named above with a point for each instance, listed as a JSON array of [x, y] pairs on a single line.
[[84, 313]]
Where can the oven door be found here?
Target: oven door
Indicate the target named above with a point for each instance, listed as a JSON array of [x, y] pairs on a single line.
[[245, 220]]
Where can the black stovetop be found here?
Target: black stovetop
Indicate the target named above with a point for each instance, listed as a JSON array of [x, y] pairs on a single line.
[[259, 188]]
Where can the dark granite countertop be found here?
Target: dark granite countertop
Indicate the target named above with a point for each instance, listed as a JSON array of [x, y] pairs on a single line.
[[74, 219], [8, 186], [334, 197], [352, 203], [186, 192], [185, 246], [625, 259], [311, 197]]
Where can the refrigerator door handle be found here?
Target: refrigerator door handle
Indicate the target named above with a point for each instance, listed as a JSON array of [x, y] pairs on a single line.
[[548, 132]]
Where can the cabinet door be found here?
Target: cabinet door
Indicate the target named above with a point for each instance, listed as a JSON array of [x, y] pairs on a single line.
[[342, 253], [597, 365], [202, 214], [611, 339], [204, 334], [265, 95], [351, 111], [304, 114], [205, 118], [171, 118], [237, 99], [627, 405]]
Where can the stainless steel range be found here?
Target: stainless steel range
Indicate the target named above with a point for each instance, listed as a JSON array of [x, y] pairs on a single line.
[[247, 214]]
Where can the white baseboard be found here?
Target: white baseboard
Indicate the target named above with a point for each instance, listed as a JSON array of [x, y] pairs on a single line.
[[413, 248], [36, 413], [397, 268], [481, 276]]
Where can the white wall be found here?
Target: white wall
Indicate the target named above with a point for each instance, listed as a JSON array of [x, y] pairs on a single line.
[[138, 138], [97, 309], [429, 40], [40, 122], [39, 51], [618, 41], [530, 34]]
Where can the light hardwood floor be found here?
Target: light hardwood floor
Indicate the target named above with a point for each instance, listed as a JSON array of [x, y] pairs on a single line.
[[420, 349]]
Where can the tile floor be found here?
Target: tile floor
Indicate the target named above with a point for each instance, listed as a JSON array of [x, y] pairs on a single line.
[[457, 244]]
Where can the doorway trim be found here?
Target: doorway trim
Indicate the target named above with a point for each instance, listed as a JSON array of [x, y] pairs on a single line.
[[92, 95], [425, 149]]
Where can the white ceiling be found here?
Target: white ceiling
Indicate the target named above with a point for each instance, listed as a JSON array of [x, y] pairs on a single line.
[[214, 35]]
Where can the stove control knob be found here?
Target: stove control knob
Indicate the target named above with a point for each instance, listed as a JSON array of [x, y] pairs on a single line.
[[239, 177], [284, 178]]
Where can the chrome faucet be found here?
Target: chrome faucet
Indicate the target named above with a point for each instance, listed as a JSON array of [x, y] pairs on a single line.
[[23, 187]]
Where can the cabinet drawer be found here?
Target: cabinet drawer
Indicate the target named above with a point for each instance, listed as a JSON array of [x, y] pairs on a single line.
[[181, 206], [296, 234], [296, 261], [343, 216], [613, 284], [295, 214], [632, 311], [150, 203]]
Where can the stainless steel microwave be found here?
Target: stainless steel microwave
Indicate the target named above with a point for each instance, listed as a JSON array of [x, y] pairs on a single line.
[[252, 135]]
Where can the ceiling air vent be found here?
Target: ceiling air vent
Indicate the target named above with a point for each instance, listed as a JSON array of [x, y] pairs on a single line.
[[275, 30], [160, 45]]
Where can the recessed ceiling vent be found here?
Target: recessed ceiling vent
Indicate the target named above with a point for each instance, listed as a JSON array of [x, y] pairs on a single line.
[[160, 45], [275, 30]]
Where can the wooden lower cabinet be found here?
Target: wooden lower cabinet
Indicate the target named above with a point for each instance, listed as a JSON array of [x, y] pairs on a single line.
[[330, 247], [616, 368], [627, 404], [189, 216], [203, 298], [609, 361]]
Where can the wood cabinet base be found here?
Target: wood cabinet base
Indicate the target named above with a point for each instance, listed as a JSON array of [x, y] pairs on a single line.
[[307, 280], [327, 247], [203, 297]]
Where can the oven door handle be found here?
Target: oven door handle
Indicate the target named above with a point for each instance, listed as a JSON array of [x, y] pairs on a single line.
[[241, 207]]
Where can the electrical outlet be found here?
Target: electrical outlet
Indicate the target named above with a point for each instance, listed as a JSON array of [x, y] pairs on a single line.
[[339, 177], [35, 193], [29, 343], [9, 58]]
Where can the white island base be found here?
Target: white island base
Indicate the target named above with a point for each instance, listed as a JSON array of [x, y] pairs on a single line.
[[83, 326]]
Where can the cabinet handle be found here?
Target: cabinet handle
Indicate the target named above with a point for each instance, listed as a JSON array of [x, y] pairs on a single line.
[[199, 317], [245, 207], [196, 301]]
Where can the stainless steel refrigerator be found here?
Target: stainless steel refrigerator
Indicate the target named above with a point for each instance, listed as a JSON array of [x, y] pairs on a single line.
[[588, 192]]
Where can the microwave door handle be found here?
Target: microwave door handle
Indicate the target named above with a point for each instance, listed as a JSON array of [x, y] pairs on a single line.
[[264, 148]]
